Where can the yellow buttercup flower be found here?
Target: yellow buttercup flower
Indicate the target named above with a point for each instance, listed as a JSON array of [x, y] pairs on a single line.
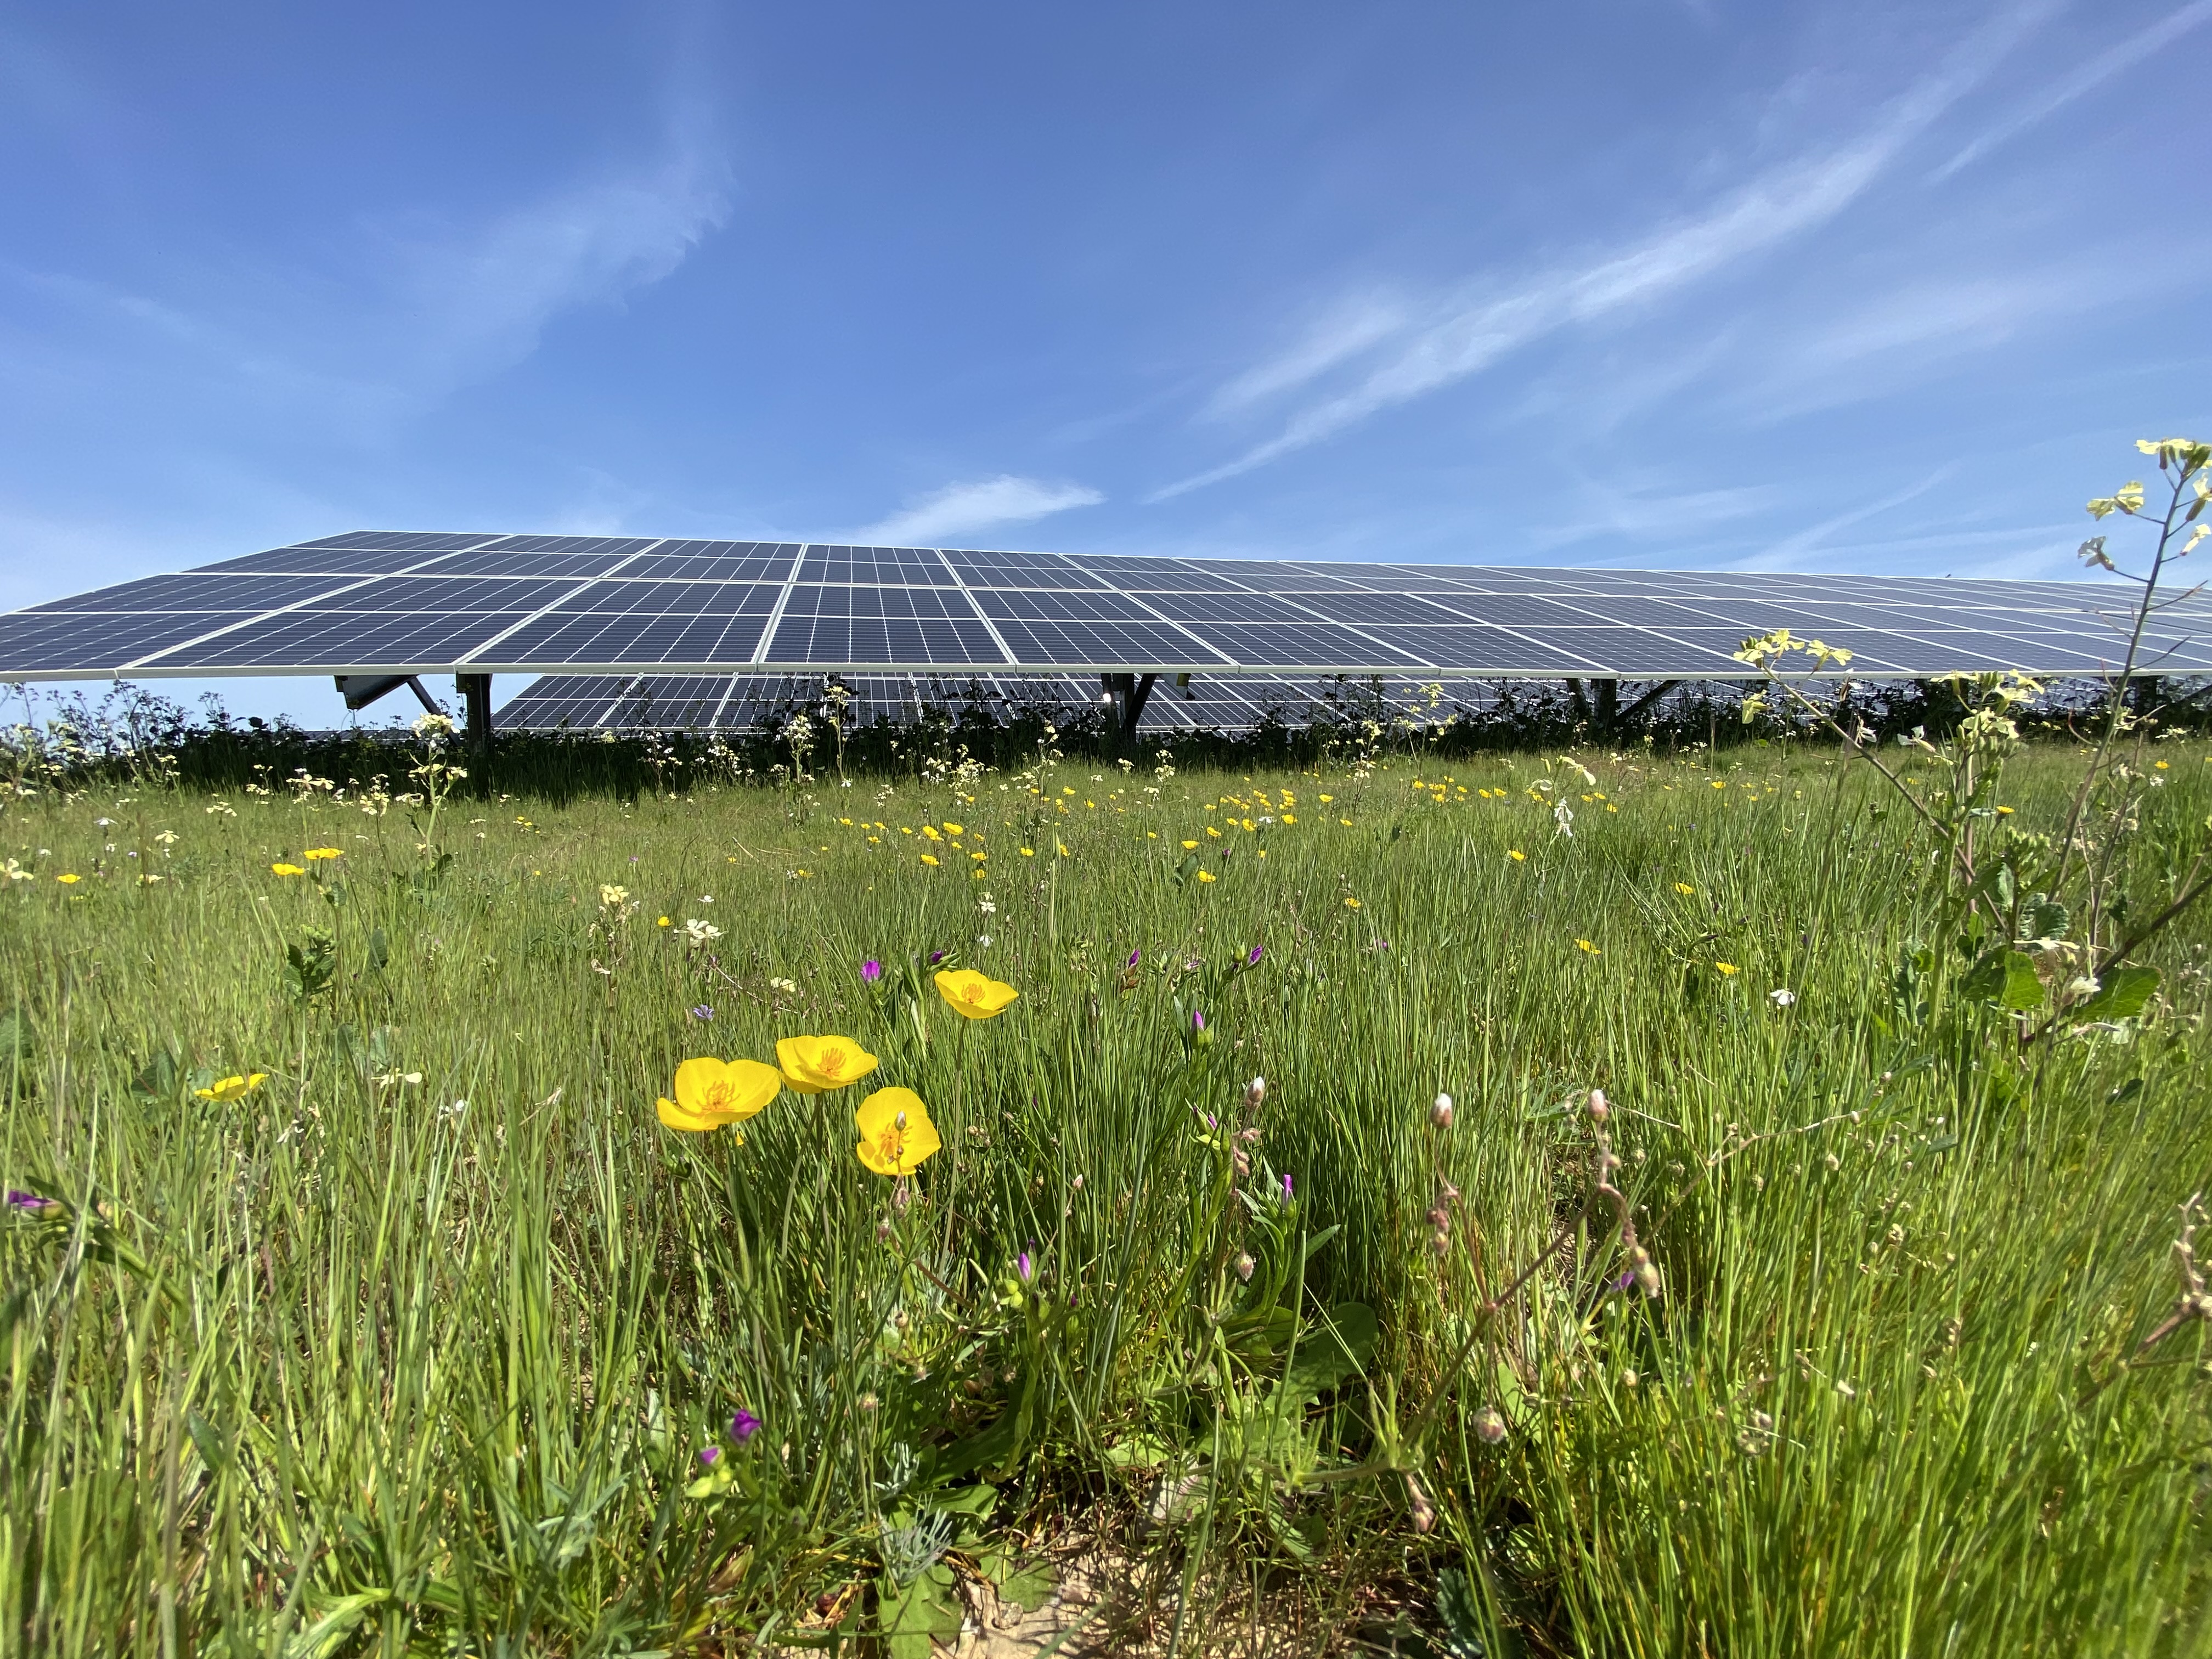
[[69, 879], [1205, 875], [1683, 887], [1029, 852], [1587, 947], [1517, 855], [1351, 904], [816, 1064], [664, 922], [973, 995], [314, 855], [930, 859], [952, 828], [275, 869], [1727, 968], [231, 1088], [710, 1093], [897, 1137], [1190, 846]]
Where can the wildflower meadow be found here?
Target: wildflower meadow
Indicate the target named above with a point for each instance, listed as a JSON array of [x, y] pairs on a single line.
[[1599, 1202]]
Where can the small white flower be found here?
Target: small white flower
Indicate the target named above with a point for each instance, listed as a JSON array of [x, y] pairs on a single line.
[[1782, 998], [706, 898], [783, 985], [983, 940], [697, 932]]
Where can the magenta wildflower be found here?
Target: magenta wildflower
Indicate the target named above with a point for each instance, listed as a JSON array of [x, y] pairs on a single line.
[[744, 1426], [29, 1200], [871, 970], [1252, 958], [702, 1011], [708, 1454], [1286, 1188], [936, 957], [1133, 954], [1197, 1020], [1022, 1265]]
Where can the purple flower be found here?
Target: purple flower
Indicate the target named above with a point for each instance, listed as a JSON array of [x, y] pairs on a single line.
[[702, 1011], [1286, 1188], [1252, 959], [1197, 1020], [936, 957], [29, 1200], [708, 1454], [744, 1426], [1133, 954], [1022, 1265], [1625, 1280], [871, 970]]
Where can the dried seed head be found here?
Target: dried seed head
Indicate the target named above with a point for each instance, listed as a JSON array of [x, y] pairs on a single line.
[[1646, 1280], [1254, 1092], [1599, 1110], [1441, 1113], [1417, 1499], [1489, 1426], [1440, 1242], [1244, 1266], [1440, 1219]]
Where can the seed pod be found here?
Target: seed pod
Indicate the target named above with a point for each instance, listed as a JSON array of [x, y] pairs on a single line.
[[1599, 1110], [1441, 1113], [1244, 1266], [1489, 1426]]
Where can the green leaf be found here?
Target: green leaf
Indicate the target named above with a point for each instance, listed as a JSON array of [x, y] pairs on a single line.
[[1460, 1616], [909, 1618], [1329, 1353], [2125, 993], [379, 951], [2004, 976], [2047, 918]]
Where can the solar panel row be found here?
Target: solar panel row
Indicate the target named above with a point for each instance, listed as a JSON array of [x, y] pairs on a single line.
[[390, 602], [745, 702]]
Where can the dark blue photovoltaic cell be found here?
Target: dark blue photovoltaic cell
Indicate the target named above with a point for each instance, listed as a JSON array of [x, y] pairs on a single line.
[[1108, 643], [1514, 651], [891, 566], [807, 600], [1267, 645], [881, 639], [566, 637], [332, 641], [32, 646], [1065, 607], [168, 594]]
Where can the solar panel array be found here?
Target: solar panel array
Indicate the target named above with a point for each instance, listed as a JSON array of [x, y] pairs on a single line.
[[397, 603], [745, 703]]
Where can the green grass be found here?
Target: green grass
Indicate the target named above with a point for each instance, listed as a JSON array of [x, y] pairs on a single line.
[[347, 1366]]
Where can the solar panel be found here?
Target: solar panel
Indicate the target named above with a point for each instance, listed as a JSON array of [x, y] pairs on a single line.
[[621, 607]]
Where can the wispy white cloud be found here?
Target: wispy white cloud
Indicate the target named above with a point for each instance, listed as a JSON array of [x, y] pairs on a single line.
[[1346, 332], [1643, 515], [484, 294], [1792, 551], [963, 509], [1466, 335], [2085, 80]]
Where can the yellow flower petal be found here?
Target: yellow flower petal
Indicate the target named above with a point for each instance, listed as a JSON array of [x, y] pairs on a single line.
[[275, 869], [897, 1137], [817, 1064], [722, 1092], [973, 995], [1205, 875], [315, 854]]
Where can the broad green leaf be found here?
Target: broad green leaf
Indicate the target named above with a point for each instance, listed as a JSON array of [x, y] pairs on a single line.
[[2126, 993], [1327, 1356]]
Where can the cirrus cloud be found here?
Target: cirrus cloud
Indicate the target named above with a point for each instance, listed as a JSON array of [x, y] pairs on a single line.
[[962, 509]]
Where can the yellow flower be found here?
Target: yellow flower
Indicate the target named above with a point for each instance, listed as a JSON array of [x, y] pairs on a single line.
[[1346, 823], [1064, 853], [1683, 887], [1029, 852], [1151, 835], [664, 922], [1727, 968], [72, 879], [816, 1064], [709, 1094], [2160, 765], [1328, 798], [979, 857], [1517, 855], [897, 1137], [1205, 875], [275, 869], [930, 859], [315, 854], [1351, 904], [1718, 784], [1190, 846], [232, 1088], [1585, 945], [2006, 811], [973, 995], [1290, 817], [929, 833], [1213, 832], [952, 828]]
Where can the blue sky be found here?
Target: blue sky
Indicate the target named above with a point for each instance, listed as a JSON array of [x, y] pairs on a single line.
[[1652, 282]]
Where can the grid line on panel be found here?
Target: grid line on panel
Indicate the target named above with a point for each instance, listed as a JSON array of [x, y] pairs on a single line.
[[762, 645], [634, 553], [1514, 633], [1159, 616], [1371, 639], [299, 604], [1006, 653]]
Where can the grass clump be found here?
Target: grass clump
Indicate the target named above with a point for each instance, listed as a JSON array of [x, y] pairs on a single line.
[[360, 1299]]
